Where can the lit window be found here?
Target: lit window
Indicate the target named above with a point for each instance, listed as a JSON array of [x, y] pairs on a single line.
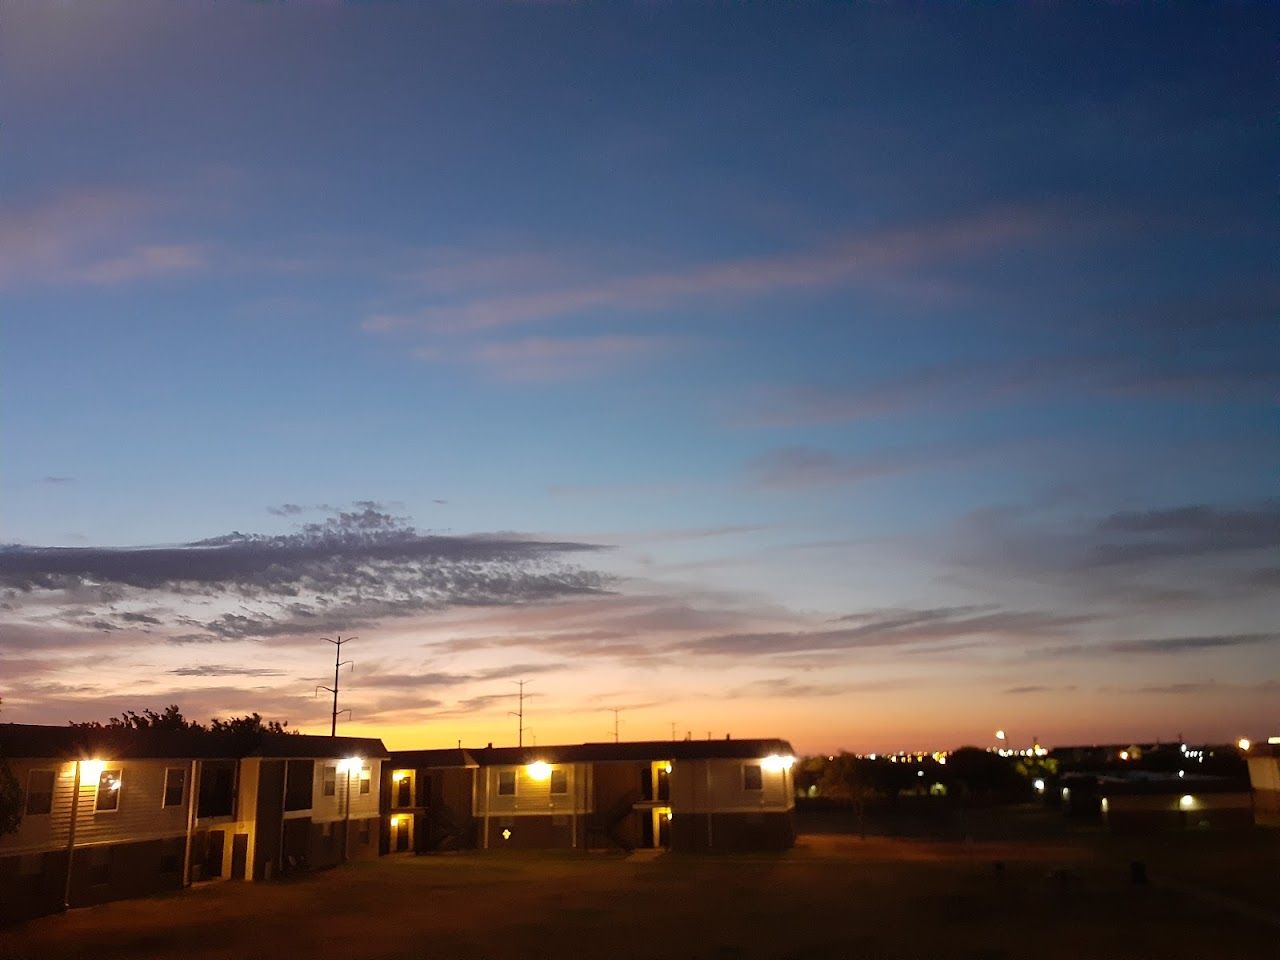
[[559, 781], [366, 776], [752, 777], [39, 792], [108, 791], [330, 781], [175, 782], [506, 783]]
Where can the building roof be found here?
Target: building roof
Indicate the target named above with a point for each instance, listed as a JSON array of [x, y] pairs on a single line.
[[23, 740], [636, 751], [1143, 783]]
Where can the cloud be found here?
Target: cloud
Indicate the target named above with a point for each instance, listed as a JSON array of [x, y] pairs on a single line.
[[984, 383], [357, 567], [88, 237], [551, 359], [57, 481], [944, 626], [1164, 645], [797, 467], [214, 670], [1037, 688], [879, 259], [1186, 531]]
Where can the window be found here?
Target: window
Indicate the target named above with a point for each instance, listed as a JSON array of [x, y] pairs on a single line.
[[39, 791], [299, 784], [366, 778], [108, 791], [217, 788], [506, 783], [330, 781], [752, 777], [175, 785], [559, 781]]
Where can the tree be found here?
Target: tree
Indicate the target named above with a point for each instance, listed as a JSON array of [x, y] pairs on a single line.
[[11, 798], [170, 718], [250, 723]]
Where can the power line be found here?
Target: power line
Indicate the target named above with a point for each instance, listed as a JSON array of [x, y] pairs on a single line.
[[338, 664]]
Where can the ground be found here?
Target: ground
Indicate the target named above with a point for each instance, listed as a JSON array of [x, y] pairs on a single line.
[[838, 896]]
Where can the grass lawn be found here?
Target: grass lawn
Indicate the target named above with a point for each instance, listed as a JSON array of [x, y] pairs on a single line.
[[833, 896]]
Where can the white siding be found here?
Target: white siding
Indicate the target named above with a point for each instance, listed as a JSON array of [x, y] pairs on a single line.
[[532, 796], [716, 786], [363, 806], [138, 816]]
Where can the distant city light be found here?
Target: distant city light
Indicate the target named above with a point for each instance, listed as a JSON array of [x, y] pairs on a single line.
[[1186, 801], [1000, 735], [1243, 743], [1039, 785]]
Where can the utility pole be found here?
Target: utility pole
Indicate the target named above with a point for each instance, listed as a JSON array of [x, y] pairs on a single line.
[[519, 713], [338, 664]]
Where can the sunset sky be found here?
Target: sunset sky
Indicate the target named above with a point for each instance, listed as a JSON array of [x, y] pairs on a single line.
[[873, 376]]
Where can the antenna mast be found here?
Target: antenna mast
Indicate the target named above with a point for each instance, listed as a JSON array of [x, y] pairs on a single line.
[[338, 664], [519, 713], [615, 711]]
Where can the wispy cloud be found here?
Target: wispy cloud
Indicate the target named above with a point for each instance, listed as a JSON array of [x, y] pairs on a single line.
[[878, 259], [551, 359], [358, 567], [90, 236]]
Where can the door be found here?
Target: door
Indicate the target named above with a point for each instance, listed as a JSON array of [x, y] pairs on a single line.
[[401, 839], [239, 855], [213, 854]]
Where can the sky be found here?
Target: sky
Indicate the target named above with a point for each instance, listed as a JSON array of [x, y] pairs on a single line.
[[871, 375]]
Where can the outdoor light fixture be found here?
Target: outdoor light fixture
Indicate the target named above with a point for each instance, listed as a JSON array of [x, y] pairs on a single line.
[[398, 775], [1243, 743], [774, 763], [999, 734], [538, 770], [506, 834], [349, 765], [1124, 754], [91, 769], [666, 768], [1186, 801], [1039, 785]]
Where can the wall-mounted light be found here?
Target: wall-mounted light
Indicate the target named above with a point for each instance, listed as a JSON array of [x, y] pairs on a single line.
[[666, 767], [538, 770], [91, 770], [1186, 801], [775, 764], [1243, 743], [399, 775], [349, 764]]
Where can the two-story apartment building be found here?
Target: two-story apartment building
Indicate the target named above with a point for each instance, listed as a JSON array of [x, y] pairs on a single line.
[[703, 795], [114, 813]]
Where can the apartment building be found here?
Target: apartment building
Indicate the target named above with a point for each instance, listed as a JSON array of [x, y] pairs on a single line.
[[115, 813], [694, 795]]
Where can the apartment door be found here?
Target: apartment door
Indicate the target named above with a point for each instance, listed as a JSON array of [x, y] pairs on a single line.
[[239, 855]]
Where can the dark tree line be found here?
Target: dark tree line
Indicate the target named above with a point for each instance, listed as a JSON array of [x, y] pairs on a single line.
[[171, 718]]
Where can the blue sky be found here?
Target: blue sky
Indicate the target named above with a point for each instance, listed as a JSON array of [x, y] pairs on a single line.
[[798, 317]]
